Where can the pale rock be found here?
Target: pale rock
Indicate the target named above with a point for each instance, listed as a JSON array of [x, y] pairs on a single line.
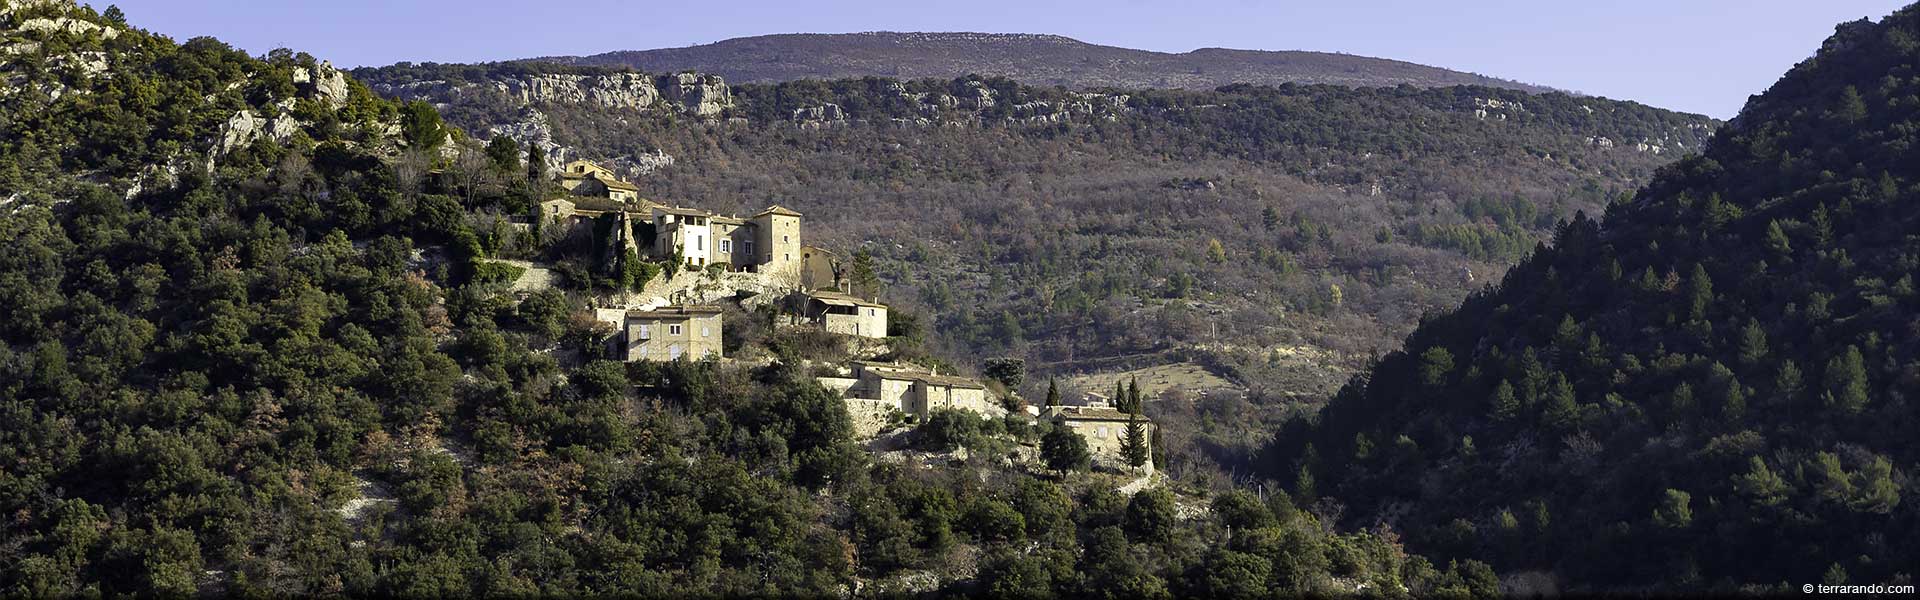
[[68, 25], [239, 130], [323, 82], [696, 94], [282, 127], [828, 112]]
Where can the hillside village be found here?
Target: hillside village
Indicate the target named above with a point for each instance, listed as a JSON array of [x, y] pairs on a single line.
[[762, 261]]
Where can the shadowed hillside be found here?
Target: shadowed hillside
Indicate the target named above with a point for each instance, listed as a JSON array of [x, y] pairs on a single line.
[[1712, 387]]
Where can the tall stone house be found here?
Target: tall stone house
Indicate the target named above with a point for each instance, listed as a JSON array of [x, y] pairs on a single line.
[[767, 242]]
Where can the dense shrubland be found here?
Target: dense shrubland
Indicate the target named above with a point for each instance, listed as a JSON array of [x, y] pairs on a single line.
[[288, 370]]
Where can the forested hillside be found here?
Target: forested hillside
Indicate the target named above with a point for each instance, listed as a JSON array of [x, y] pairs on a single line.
[[1086, 231], [1711, 387], [249, 346]]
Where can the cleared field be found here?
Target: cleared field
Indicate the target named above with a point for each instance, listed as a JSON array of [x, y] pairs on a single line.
[[1156, 379]]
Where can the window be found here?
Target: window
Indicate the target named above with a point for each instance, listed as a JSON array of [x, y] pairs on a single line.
[[705, 332], [786, 257], [646, 332], [673, 352], [871, 312], [673, 330], [783, 239], [749, 246], [726, 246], [1103, 432], [700, 242]]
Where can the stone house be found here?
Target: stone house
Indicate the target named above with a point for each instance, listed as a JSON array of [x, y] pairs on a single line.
[[582, 178], [842, 313], [767, 242], [670, 333], [913, 390], [1104, 427]]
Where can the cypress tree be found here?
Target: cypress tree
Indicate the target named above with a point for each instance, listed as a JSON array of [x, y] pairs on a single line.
[[1134, 446]]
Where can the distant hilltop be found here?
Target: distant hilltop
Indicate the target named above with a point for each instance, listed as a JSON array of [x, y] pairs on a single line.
[[1030, 58]]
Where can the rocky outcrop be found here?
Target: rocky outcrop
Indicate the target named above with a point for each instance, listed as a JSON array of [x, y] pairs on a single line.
[[826, 112], [68, 25], [696, 94], [628, 91], [323, 82], [686, 93]]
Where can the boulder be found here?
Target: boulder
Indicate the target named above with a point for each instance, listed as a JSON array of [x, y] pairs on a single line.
[[323, 82]]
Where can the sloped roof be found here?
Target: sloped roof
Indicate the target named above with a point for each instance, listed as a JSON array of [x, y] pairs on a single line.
[[682, 211], [598, 204], [943, 380], [675, 311], [778, 210], [840, 299], [618, 184], [1090, 413]]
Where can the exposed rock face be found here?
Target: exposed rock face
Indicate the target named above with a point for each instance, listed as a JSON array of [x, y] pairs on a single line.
[[696, 94], [630, 91], [533, 129], [239, 130], [325, 83], [688, 93], [828, 112], [74, 26]]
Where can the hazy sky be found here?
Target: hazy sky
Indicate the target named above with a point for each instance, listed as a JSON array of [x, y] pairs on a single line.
[[1701, 56]]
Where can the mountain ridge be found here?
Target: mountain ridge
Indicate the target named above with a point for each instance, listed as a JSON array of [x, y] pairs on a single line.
[[1041, 59]]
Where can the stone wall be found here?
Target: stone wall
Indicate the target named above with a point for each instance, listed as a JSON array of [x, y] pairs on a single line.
[[870, 417]]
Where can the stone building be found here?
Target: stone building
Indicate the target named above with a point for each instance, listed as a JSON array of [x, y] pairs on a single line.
[[842, 313], [583, 178], [1104, 427], [670, 333], [913, 390], [768, 242]]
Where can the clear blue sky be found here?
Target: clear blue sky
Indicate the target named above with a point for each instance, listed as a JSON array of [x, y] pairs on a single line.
[[1701, 56]]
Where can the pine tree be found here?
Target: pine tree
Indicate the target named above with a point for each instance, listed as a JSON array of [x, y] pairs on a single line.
[[1675, 510], [1053, 392], [1760, 484], [1215, 252], [1700, 293], [1777, 240], [1846, 380], [1753, 344], [1134, 447], [1505, 405], [1269, 218], [1852, 108], [1561, 410], [1788, 382]]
